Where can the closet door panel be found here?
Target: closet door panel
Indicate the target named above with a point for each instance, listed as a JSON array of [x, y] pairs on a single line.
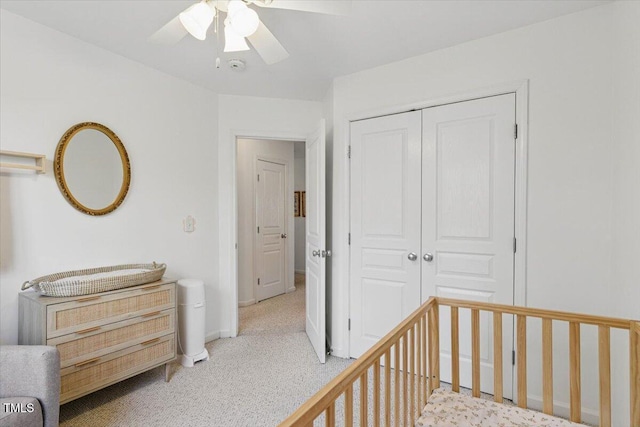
[[385, 225], [468, 165]]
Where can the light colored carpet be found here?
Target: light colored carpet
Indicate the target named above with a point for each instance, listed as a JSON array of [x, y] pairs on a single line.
[[256, 379]]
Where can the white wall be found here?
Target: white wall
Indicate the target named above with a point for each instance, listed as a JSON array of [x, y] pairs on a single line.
[[572, 107], [49, 82], [625, 280], [248, 150], [249, 117], [626, 165], [300, 222]]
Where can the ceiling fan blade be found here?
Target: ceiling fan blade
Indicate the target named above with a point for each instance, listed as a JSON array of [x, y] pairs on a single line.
[[171, 33], [267, 46], [329, 7]]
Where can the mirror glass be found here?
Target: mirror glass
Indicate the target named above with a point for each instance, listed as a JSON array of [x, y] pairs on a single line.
[[92, 168]]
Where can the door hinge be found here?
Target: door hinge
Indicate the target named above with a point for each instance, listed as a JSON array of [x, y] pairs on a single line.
[[349, 324], [515, 131], [349, 151], [258, 177], [349, 238], [515, 245], [513, 357], [258, 229], [258, 280]]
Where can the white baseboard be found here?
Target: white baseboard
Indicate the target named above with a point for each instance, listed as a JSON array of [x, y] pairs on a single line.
[[211, 336], [589, 416], [225, 333], [300, 271], [291, 289], [246, 303]]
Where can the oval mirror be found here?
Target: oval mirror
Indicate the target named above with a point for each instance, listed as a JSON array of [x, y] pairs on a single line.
[[92, 168]]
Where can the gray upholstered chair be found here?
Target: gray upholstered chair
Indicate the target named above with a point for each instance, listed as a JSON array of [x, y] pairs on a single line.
[[29, 385]]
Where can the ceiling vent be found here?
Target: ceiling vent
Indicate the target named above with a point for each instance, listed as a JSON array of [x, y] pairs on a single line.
[[237, 64]]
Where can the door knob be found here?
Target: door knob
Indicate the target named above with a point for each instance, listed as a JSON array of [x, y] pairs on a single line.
[[428, 257], [315, 253], [326, 254], [412, 256], [283, 235]]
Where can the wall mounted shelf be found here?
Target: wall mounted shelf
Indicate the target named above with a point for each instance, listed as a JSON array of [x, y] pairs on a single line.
[[39, 159]]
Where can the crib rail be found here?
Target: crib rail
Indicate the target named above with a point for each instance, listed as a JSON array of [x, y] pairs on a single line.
[[635, 373], [417, 333], [575, 321], [405, 366]]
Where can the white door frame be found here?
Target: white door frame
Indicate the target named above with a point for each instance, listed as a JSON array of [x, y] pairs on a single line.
[[232, 247], [287, 286], [342, 273]]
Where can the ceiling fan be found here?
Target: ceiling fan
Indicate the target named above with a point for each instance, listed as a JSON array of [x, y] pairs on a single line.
[[241, 23]]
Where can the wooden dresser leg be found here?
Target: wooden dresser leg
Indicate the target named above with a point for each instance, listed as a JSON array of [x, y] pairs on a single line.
[[167, 371]]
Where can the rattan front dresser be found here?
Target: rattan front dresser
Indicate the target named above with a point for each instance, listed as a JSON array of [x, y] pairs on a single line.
[[103, 338]]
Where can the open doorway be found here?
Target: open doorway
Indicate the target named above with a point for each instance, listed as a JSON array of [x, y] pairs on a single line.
[[271, 290]]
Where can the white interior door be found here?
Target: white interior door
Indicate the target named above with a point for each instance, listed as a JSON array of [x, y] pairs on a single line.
[[385, 226], [270, 230], [468, 163], [315, 249]]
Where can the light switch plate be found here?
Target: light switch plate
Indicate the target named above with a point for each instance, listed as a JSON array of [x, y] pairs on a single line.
[[189, 224]]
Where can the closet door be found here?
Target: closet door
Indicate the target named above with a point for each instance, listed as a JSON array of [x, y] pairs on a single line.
[[468, 162], [385, 225]]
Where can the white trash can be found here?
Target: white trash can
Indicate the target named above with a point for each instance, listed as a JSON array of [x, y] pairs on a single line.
[[191, 311]]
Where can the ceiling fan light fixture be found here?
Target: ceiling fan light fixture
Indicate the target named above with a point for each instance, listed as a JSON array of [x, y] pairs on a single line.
[[232, 41], [197, 19], [234, 6], [243, 20]]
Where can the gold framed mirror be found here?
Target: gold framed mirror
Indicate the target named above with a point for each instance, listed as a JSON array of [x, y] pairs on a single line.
[[92, 168]]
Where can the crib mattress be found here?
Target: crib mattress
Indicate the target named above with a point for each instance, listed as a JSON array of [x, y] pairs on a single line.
[[448, 409]]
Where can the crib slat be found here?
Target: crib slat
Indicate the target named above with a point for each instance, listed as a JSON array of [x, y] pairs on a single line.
[[419, 364], [547, 366], [387, 388], [396, 384], [412, 375], [475, 352], [376, 393], [434, 349], [423, 387], [455, 351], [497, 357], [522, 360], [364, 398], [405, 378], [574, 372], [634, 372], [604, 360], [330, 415], [348, 406]]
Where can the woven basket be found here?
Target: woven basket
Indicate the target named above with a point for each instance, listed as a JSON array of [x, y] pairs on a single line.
[[74, 287]]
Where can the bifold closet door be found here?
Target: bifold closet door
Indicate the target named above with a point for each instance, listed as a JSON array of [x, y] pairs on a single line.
[[385, 225], [468, 164]]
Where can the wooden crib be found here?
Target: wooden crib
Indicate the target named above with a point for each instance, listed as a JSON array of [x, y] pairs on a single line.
[[415, 345]]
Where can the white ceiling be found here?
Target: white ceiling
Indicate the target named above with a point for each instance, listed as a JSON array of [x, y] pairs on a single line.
[[321, 46]]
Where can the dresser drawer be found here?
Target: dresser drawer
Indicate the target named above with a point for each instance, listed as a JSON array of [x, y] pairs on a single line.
[[100, 340], [89, 312], [97, 373]]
